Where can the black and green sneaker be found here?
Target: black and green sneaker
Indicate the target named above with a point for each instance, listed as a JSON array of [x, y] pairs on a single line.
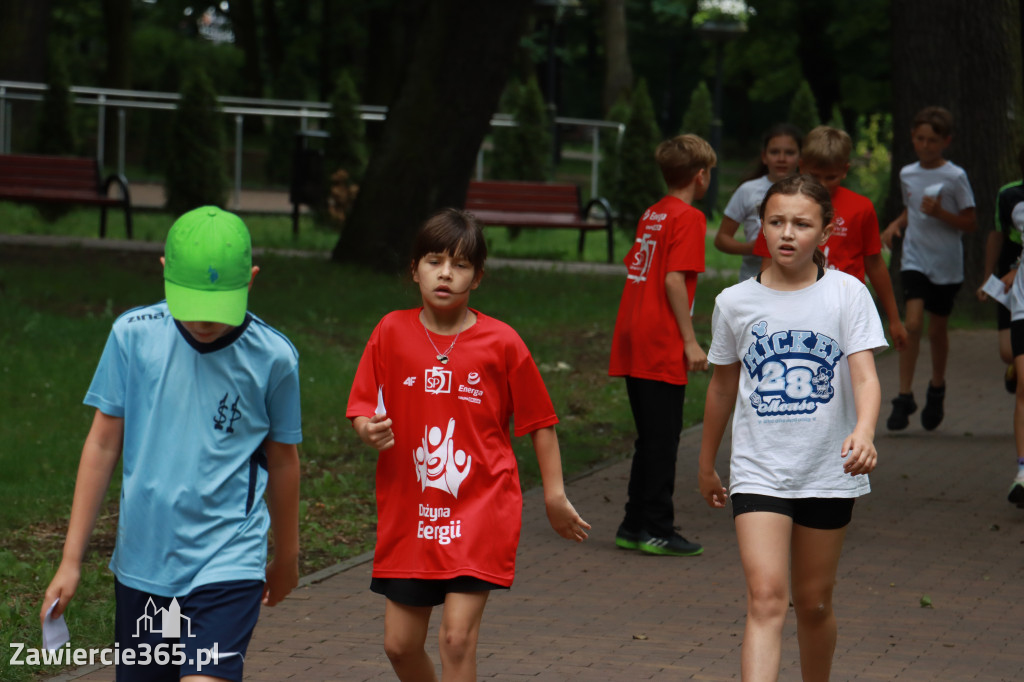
[[673, 545], [627, 539]]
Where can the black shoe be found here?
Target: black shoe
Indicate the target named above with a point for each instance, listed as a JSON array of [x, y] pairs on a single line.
[[903, 406], [1010, 379], [673, 545], [1016, 495], [932, 414], [627, 539]]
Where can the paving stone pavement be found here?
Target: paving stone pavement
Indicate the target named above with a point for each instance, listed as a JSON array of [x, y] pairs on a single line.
[[937, 524]]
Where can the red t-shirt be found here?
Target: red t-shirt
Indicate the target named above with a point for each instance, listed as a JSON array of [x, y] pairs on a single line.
[[646, 343], [448, 497], [855, 234]]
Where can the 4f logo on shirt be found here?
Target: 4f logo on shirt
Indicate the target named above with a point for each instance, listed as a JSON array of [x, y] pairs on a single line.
[[227, 414], [642, 259], [792, 370], [437, 380], [438, 464]]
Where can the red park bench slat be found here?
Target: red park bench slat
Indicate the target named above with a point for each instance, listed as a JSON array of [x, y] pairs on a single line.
[[538, 204], [62, 180]]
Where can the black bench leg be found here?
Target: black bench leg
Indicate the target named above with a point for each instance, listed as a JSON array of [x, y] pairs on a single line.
[[579, 248], [295, 221], [103, 222], [128, 221], [611, 242]]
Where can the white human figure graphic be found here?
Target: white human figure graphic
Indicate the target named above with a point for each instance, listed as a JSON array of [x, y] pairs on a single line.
[[438, 464]]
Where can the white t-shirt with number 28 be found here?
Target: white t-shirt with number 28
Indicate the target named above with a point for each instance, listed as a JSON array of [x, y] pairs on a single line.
[[794, 406]]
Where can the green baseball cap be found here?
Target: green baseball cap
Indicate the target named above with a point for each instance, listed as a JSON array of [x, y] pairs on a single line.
[[208, 266]]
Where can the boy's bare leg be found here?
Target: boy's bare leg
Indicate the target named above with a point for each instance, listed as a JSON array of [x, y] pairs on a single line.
[[405, 633], [815, 560], [914, 323], [938, 337], [764, 541], [460, 630]]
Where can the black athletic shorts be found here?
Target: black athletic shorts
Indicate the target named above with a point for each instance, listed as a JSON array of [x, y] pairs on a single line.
[[938, 298], [421, 592], [1017, 337], [822, 513]]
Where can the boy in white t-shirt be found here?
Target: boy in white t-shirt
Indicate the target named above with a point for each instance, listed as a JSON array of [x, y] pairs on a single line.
[[939, 209]]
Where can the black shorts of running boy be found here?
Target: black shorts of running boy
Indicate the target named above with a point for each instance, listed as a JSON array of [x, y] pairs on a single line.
[[1017, 337], [205, 632], [822, 513], [423, 592], [938, 298]]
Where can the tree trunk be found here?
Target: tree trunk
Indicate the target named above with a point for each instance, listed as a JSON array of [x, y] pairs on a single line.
[[24, 26], [245, 24], [618, 81], [953, 54], [117, 22], [428, 145]]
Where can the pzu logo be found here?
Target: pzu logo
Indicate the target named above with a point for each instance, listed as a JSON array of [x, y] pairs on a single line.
[[437, 380]]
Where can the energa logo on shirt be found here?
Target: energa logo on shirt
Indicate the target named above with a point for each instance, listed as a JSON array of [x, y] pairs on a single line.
[[438, 464], [642, 259], [792, 370]]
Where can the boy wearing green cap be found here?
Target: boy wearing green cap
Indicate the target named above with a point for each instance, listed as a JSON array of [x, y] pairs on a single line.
[[201, 400]]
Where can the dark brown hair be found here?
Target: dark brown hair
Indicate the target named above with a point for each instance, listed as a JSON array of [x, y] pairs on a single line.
[[938, 118], [453, 231], [810, 188]]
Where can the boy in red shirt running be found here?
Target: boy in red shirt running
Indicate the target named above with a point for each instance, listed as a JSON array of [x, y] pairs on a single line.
[[855, 246], [654, 344]]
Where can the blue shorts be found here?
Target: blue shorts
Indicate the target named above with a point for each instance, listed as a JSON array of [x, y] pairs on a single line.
[[205, 632], [822, 513]]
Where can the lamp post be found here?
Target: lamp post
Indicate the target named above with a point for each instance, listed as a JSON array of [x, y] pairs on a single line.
[[719, 21]]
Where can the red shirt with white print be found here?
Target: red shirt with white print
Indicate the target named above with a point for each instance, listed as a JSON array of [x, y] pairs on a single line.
[[647, 343], [448, 497], [855, 234]]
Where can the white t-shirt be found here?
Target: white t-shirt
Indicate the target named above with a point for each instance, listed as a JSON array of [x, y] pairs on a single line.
[[930, 245], [794, 406], [742, 208]]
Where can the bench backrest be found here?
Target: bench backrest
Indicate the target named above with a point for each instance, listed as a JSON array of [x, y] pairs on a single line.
[[49, 172], [523, 197]]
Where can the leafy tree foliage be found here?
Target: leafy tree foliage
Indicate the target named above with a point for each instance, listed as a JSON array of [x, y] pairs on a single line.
[[803, 110], [196, 173], [700, 112], [523, 151], [640, 182], [56, 130], [346, 146]]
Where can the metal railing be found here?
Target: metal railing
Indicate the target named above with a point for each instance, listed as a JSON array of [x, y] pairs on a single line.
[[239, 108]]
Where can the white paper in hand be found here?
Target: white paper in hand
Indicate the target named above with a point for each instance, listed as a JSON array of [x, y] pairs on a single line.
[[380, 401], [932, 191], [994, 287], [55, 630]]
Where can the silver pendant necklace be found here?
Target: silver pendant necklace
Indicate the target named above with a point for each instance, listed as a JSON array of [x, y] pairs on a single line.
[[443, 357]]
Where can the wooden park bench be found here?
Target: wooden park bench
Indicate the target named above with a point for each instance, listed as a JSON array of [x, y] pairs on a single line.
[[538, 204], [62, 180]]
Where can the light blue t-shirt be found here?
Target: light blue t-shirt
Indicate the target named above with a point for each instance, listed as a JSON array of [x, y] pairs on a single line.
[[194, 467]]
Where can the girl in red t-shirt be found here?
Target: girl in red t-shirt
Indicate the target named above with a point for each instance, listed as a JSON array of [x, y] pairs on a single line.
[[434, 392]]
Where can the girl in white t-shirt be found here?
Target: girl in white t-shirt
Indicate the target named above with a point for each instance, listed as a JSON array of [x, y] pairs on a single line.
[[780, 154], [794, 365]]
